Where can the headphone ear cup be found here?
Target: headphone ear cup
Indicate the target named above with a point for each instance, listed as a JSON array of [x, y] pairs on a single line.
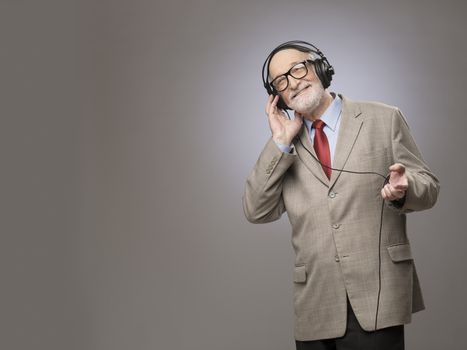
[[281, 104], [321, 72], [269, 90], [324, 72]]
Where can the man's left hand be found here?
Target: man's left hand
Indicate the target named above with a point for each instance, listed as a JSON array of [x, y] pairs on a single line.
[[398, 183]]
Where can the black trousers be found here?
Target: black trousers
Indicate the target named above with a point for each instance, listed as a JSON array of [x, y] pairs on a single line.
[[355, 338]]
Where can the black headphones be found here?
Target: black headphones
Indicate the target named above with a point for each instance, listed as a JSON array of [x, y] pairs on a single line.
[[323, 69]]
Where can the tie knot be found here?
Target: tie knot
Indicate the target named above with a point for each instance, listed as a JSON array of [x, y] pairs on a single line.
[[318, 124]]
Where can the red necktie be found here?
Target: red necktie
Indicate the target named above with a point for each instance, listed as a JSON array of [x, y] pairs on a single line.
[[321, 146]]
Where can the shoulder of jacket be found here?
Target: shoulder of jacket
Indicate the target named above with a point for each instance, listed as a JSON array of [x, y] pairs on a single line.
[[372, 108]]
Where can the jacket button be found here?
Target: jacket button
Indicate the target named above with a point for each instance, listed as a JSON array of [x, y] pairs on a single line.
[[332, 194], [336, 226], [337, 258]]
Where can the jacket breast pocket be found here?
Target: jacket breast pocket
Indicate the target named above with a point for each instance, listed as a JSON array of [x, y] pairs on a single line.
[[299, 275]]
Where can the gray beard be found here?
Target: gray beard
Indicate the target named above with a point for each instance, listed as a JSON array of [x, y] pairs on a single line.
[[307, 101]]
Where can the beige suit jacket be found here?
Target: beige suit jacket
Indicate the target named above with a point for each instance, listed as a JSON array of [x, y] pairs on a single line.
[[335, 223]]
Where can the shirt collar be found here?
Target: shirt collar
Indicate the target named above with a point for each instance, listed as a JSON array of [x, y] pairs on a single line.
[[330, 116]]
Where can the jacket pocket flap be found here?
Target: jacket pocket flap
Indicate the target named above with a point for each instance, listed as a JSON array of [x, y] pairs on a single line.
[[400, 252], [299, 275]]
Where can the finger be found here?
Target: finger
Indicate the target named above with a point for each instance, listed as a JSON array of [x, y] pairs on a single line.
[[392, 193], [401, 187], [394, 190], [398, 167], [272, 105], [399, 182], [383, 194], [274, 102], [396, 194], [387, 192], [268, 103]]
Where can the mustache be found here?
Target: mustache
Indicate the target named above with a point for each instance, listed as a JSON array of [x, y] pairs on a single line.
[[299, 89]]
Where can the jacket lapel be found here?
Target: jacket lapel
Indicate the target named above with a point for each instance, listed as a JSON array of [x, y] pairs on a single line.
[[349, 129]]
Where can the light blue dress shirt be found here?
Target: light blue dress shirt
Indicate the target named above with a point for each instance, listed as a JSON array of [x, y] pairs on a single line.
[[331, 117]]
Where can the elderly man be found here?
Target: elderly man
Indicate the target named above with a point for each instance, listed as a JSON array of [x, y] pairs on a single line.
[[346, 173]]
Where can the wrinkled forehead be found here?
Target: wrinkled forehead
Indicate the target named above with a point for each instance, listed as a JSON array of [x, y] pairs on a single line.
[[284, 59]]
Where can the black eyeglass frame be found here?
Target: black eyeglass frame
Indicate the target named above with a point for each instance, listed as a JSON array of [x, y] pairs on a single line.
[[286, 74]]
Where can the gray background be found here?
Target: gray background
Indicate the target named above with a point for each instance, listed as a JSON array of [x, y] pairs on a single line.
[[127, 131]]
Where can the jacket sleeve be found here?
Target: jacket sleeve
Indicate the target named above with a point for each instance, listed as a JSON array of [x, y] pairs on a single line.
[[262, 198], [423, 185]]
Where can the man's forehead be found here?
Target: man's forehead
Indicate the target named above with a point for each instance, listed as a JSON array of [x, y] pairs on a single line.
[[283, 60]]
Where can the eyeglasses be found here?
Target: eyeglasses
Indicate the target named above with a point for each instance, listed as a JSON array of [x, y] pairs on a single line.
[[298, 71]]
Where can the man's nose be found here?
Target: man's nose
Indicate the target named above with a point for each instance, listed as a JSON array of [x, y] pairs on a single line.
[[293, 82]]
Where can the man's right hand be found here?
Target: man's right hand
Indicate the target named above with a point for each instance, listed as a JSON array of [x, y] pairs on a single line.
[[283, 129]]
